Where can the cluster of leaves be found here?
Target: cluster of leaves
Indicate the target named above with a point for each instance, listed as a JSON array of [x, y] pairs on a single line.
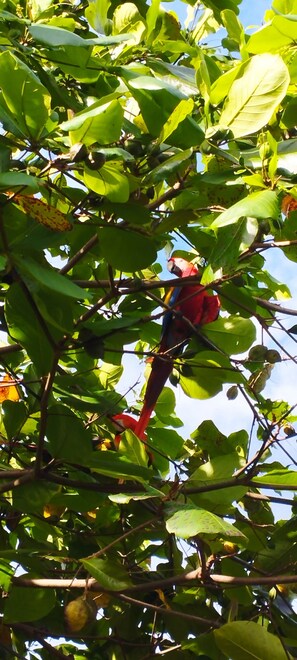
[[122, 134]]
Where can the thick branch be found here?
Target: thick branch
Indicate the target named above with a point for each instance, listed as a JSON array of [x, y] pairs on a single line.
[[193, 576]]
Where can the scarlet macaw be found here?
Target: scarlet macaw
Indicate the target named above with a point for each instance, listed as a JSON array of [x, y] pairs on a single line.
[[122, 422], [192, 302]]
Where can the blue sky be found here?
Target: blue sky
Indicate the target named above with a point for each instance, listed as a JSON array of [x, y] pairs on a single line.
[[251, 13]]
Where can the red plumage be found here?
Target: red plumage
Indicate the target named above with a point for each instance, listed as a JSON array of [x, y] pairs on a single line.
[[122, 422], [196, 305]]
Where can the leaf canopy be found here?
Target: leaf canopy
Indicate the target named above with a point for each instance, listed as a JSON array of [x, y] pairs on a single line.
[[130, 133]]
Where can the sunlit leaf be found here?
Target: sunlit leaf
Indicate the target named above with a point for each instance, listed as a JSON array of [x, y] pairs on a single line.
[[27, 101], [187, 520], [253, 98], [262, 204]]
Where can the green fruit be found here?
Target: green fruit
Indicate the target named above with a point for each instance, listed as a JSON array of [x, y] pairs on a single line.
[[232, 392], [273, 356], [258, 353]]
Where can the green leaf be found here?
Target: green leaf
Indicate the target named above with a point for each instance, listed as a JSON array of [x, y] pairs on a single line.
[[180, 112], [203, 376], [157, 100], [187, 520], [28, 604], [278, 478], [254, 97], [270, 38], [166, 169], [132, 448], [166, 403], [67, 435], [27, 101], [111, 464], [233, 334], [262, 205], [33, 496], [246, 640], [108, 181], [101, 123], [126, 250], [10, 180], [25, 328], [221, 86], [96, 14], [109, 574], [49, 278], [232, 241], [53, 36], [15, 415]]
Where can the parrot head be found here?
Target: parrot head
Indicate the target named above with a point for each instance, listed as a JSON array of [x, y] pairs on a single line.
[[181, 268]]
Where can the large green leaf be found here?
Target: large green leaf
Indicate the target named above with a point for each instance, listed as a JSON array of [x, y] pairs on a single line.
[[109, 181], [27, 101], [247, 640], [278, 33], [233, 334], [254, 97], [186, 520], [11, 180], [203, 376], [157, 101], [232, 241], [68, 439], [260, 205], [279, 478], [101, 123], [25, 328], [111, 464], [126, 250], [49, 278], [28, 604], [53, 36]]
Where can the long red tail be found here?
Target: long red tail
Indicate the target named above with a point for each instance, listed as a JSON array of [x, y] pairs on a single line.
[[161, 370]]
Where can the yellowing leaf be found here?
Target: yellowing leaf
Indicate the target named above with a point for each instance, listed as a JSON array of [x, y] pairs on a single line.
[[43, 213], [8, 390]]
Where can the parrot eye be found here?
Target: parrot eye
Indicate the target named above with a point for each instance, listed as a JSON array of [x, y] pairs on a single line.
[[173, 268]]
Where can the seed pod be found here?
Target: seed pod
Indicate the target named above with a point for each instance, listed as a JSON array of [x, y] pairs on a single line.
[[232, 392], [257, 353], [80, 613], [258, 380], [289, 430], [273, 356]]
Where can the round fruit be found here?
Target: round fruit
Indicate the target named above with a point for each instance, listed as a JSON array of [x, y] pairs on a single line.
[[80, 613], [258, 353], [273, 356], [232, 392]]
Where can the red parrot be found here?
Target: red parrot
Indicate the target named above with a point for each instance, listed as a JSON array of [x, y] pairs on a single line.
[[195, 304], [122, 422]]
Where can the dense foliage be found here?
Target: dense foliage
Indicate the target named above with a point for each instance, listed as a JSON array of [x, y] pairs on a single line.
[[126, 136]]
